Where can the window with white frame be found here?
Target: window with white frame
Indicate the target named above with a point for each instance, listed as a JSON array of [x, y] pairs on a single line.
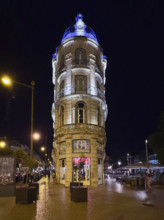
[[80, 113]]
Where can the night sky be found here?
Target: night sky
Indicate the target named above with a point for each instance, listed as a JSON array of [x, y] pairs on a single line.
[[131, 34]]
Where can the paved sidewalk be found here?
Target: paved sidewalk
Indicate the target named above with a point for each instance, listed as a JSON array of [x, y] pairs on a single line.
[[110, 202]]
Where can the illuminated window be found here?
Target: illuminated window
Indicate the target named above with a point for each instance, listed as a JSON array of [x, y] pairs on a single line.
[[80, 112], [62, 116], [80, 56], [81, 84], [81, 145]]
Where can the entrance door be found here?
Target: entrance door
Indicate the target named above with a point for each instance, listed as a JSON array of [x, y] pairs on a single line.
[[81, 172], [62, 171], [100, 171]]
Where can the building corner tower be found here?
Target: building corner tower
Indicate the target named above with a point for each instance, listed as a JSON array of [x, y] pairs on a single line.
[[79, 110]]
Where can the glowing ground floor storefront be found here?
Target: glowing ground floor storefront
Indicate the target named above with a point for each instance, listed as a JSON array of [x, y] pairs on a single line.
[[79, 160], [81, 171]]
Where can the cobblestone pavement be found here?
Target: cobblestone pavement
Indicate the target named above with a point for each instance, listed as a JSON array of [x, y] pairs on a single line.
[[111, 202]]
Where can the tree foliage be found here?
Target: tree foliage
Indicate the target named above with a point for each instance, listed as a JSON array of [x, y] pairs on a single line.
[[156, 140], [20, 157]]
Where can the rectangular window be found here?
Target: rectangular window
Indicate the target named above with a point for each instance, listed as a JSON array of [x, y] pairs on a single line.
[[81, 84], [81, 146]]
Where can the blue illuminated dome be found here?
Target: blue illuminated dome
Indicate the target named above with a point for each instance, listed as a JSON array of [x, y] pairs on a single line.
[[79, 29]]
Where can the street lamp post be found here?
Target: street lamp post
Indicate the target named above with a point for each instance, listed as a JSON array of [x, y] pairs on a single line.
[[7, 81], [147, 161], [128, 158]]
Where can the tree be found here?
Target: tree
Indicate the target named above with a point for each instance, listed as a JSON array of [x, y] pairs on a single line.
[[6, 151], [156, 140], [20, 157]]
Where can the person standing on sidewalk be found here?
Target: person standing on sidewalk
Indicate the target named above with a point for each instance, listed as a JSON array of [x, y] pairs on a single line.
[[149, 182]]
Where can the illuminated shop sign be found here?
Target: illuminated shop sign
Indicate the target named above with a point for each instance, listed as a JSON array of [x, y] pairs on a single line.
[[84, 160]]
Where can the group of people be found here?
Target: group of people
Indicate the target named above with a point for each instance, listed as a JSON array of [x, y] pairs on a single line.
[[148, 181]]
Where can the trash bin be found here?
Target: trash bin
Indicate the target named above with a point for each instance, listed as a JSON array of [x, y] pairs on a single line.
[[133, 182], [75, 184], [25, 195], [140, 181]]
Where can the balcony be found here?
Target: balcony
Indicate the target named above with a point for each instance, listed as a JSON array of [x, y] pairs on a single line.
[[76, 90], [79, 64]]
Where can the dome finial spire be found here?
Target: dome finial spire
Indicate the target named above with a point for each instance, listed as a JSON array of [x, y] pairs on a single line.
[[79, 17]]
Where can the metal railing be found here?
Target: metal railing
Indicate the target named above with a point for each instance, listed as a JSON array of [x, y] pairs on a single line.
[[80, 90], [79, 63]]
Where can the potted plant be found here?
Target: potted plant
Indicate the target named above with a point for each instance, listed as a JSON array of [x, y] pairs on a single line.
[[27, 191], [79, 193]]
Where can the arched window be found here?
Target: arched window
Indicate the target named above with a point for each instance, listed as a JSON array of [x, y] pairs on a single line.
[[80, 56], [80, 112], [62, 116]]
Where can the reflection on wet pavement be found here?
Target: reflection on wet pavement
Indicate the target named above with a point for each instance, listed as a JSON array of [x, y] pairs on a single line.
[[120, 188], [112, 201]]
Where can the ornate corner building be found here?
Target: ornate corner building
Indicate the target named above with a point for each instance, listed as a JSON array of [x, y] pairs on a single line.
[[79, 110]]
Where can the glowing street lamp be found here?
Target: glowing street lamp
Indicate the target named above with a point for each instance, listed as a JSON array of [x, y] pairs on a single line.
[[8, 82], [42, 148], [119, 163], [2, 144], [36, 136]]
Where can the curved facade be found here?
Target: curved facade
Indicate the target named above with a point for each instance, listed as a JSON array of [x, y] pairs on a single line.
[[79, 110]]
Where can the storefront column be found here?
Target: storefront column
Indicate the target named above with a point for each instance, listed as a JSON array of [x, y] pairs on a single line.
[[68, 175], [56, 159], [94, 167]]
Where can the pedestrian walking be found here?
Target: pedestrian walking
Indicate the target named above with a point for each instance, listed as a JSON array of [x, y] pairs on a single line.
[[148, 181]]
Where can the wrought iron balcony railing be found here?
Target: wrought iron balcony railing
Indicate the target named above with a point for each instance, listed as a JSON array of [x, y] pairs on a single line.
[[79, 63], [80, 90]]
